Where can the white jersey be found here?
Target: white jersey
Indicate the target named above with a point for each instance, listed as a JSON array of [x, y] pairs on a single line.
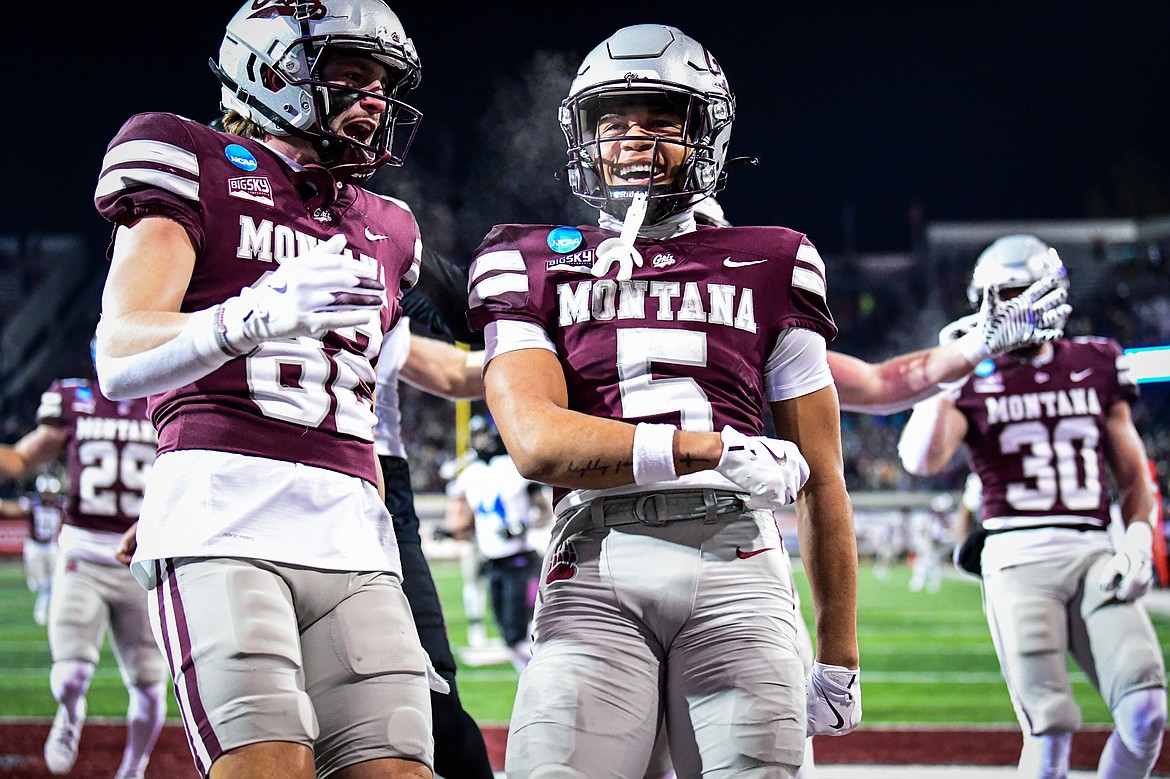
[[499, 499]]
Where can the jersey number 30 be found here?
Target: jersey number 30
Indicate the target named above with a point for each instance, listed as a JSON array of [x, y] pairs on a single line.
[[1063, 465]]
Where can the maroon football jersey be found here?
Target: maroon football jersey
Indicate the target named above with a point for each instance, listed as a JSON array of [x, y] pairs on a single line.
[[1036, 433], [301, 399], [109, 453], [685, 341]]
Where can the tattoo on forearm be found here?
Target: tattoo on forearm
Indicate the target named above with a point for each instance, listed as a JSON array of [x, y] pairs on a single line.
[[690, 460], [596, 466]]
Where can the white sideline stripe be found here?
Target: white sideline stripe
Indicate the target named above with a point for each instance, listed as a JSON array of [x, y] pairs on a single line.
[[39, 671], [889, 677]]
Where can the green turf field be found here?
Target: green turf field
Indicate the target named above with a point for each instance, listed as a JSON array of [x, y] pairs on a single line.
[[926, 658]]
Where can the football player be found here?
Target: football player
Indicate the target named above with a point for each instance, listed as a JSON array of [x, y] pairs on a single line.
[[1044, 427], [490, 499], [897, 383], [108, 448], [252, 280], [43, 509], [630, 366]]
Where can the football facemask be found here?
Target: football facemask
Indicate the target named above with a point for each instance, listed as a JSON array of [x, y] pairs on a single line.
[[658, 67], [270, 65]]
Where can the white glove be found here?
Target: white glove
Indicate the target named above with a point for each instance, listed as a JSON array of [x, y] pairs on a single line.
[[1035, 316], [772, 471], [960, 327], [1129, 573], [317, 291], [834, 700]]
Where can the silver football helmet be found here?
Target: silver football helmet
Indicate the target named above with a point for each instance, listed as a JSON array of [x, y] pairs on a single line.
[[654, 64], [269, 65], [1013, 262]]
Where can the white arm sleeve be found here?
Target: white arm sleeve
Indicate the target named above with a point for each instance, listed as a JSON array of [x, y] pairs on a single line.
[[510, 335], [914, 444], [189, 356], [797, 366]]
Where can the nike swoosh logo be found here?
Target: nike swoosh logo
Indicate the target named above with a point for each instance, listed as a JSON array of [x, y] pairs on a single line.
[[730, 263], [1080, 375], [742, 555], [840, 720], [372, 236]]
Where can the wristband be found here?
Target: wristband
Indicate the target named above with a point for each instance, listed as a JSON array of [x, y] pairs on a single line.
[[221, 339], [192, 354], [653, 453]]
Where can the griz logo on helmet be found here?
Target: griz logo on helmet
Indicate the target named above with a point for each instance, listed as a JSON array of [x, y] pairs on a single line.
[[313, 10]]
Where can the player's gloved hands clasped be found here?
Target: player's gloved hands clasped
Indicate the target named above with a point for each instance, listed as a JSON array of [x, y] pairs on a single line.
[[1035, 316], [320, 290], [770, 470], [833, 693], [1129, 573]]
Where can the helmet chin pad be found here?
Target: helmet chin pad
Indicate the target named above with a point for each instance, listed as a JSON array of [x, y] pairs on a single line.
[[661, 202]]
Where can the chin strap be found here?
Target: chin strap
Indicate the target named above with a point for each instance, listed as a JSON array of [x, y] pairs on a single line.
[[621, 250]]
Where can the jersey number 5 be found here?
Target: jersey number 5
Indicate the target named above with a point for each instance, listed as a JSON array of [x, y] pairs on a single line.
[[638, 348]]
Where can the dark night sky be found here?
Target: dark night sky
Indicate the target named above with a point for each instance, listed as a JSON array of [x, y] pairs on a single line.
[[976, 110]]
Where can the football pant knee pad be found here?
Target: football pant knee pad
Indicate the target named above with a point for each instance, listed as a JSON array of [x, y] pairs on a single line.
[[147, 703], [1140, 718], [69, 679]]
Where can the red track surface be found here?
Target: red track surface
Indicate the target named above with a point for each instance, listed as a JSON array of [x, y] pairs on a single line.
[[101, 749]]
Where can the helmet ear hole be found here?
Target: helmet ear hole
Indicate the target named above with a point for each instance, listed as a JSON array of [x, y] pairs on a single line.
[[271, 80]]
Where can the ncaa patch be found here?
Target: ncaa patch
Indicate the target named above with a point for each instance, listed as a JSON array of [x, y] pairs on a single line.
[[985, 368], [563, 240], [254, 188], [240, 157]]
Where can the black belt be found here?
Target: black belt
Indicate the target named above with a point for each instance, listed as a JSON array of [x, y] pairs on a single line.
[[658, 508], [1085, 527]]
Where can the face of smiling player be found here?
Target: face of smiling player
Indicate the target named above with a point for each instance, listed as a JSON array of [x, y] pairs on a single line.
[[640, 146]]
